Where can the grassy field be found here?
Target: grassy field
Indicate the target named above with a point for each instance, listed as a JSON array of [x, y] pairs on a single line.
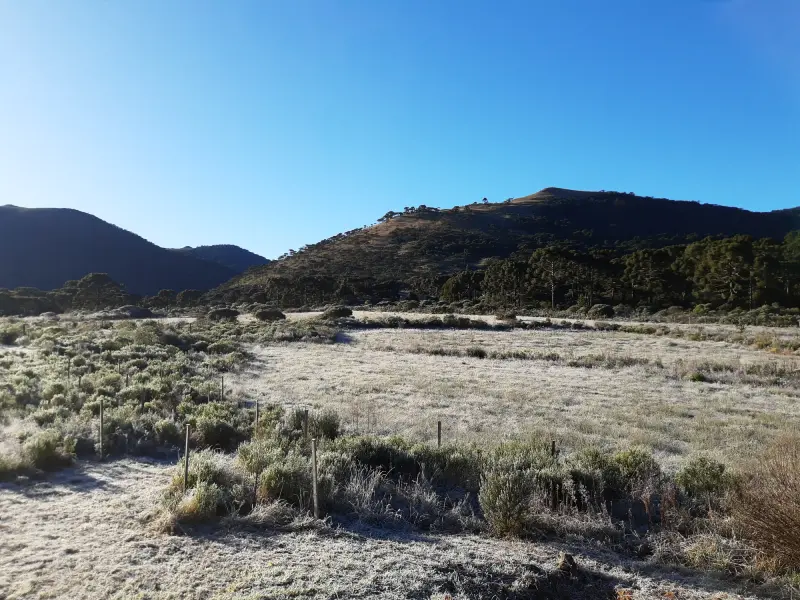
[[654, 426], [577, 387]]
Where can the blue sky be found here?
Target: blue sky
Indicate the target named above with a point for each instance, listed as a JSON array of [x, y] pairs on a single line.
[[275, 124]]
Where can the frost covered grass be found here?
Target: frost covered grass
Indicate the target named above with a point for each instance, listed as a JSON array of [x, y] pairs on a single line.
[[657, 434]]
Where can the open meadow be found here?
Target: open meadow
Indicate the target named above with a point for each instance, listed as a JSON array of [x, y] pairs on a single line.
[[664, 458]]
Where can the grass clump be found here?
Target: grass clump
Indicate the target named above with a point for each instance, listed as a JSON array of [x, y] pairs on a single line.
[[767, 504], [48, 451], [476, 352]]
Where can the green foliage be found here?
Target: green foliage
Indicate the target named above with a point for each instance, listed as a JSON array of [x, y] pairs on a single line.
[[289, 480], [223, 314], [476, 352], [337, 312], [269, 315], [325, 424], [703, 478], [637, 465], [48, 450], [505, 497], [601, 311]]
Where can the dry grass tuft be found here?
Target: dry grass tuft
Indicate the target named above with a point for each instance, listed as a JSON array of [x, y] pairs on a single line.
[[767, 506]]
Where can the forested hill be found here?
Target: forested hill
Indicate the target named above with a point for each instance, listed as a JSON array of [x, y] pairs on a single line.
[[427, 243], [46, 247]]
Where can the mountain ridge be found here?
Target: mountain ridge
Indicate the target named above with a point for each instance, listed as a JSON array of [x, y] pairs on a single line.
[[45, 247]]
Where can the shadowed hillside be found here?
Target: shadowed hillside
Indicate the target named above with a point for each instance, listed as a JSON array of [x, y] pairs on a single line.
[[44, 247], [428, 242], [233, 257]]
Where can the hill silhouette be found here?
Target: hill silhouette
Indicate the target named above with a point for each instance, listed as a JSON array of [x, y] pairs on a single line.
[[233, 257], [45, 247], [425, 241]]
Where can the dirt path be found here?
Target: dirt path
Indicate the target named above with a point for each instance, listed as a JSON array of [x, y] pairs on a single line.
[[80, 535]]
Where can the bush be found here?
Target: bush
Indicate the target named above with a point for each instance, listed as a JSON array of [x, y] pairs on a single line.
[[767, 504], [222, 314], [337, 312], [269, 314], [325, 424], [601, 311], [202, 503], [48, 451], [167, 433], [215, 433], [703, 478], [476, 352], [506, 316], [636, 466], [289, 480], [9, 335], [505, 497]]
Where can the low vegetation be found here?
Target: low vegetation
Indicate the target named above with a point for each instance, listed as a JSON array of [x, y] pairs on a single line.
[[735, 515]]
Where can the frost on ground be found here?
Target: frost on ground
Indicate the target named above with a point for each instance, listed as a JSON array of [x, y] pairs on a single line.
[[379, 384], [83, 534]]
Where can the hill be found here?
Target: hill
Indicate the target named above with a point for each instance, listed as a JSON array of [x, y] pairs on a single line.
[[45, 247], [233, 257], [425, 242]]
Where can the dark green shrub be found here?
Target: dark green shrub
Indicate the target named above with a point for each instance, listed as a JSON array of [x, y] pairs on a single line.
[[325, 424], [637, 465], [337, 312], [47, 450], [601, 311], [215, 433], [269, 314], [9, 335], [289, 480], [506, 316], [390, 455], [703, 478], [476, 352], [167, 433], [505, 497], [223, 314], [46, 416]]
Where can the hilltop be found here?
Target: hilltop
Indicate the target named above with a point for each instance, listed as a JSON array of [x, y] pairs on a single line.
[[233, 257]]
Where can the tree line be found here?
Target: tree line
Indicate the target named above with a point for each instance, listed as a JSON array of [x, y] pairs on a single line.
[[733, 272]]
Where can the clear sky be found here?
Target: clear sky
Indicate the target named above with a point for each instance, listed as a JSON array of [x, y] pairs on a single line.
[[274, 124]]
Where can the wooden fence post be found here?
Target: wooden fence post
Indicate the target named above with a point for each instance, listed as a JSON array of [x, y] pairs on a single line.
[[101, 428], [256, 428], [438, 434], [553, 484], [186, 461], [305, 424], [314, 477]]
